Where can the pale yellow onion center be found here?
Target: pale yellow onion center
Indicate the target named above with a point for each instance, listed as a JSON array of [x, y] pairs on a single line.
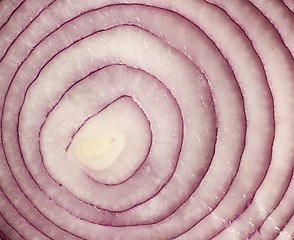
[[97, 151]]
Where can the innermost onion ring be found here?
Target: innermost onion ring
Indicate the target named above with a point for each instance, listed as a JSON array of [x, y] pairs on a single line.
[[112, 144]]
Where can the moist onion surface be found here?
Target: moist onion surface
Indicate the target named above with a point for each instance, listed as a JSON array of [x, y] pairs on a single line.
[[142, 119]]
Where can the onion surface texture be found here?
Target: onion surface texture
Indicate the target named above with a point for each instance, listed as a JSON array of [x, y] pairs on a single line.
[[146, 119]]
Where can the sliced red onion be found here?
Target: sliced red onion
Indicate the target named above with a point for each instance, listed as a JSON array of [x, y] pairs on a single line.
[[146, 120]]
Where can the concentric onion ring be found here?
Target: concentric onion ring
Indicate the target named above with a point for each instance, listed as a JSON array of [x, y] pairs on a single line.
[[146, 119]]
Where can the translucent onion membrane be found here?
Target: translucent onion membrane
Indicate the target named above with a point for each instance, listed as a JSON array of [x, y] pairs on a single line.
[[147, 119]]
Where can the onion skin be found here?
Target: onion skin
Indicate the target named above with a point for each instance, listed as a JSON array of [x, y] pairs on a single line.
[[194, 103]]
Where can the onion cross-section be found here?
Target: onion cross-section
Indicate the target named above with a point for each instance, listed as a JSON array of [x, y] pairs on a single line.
[[139, 120]]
